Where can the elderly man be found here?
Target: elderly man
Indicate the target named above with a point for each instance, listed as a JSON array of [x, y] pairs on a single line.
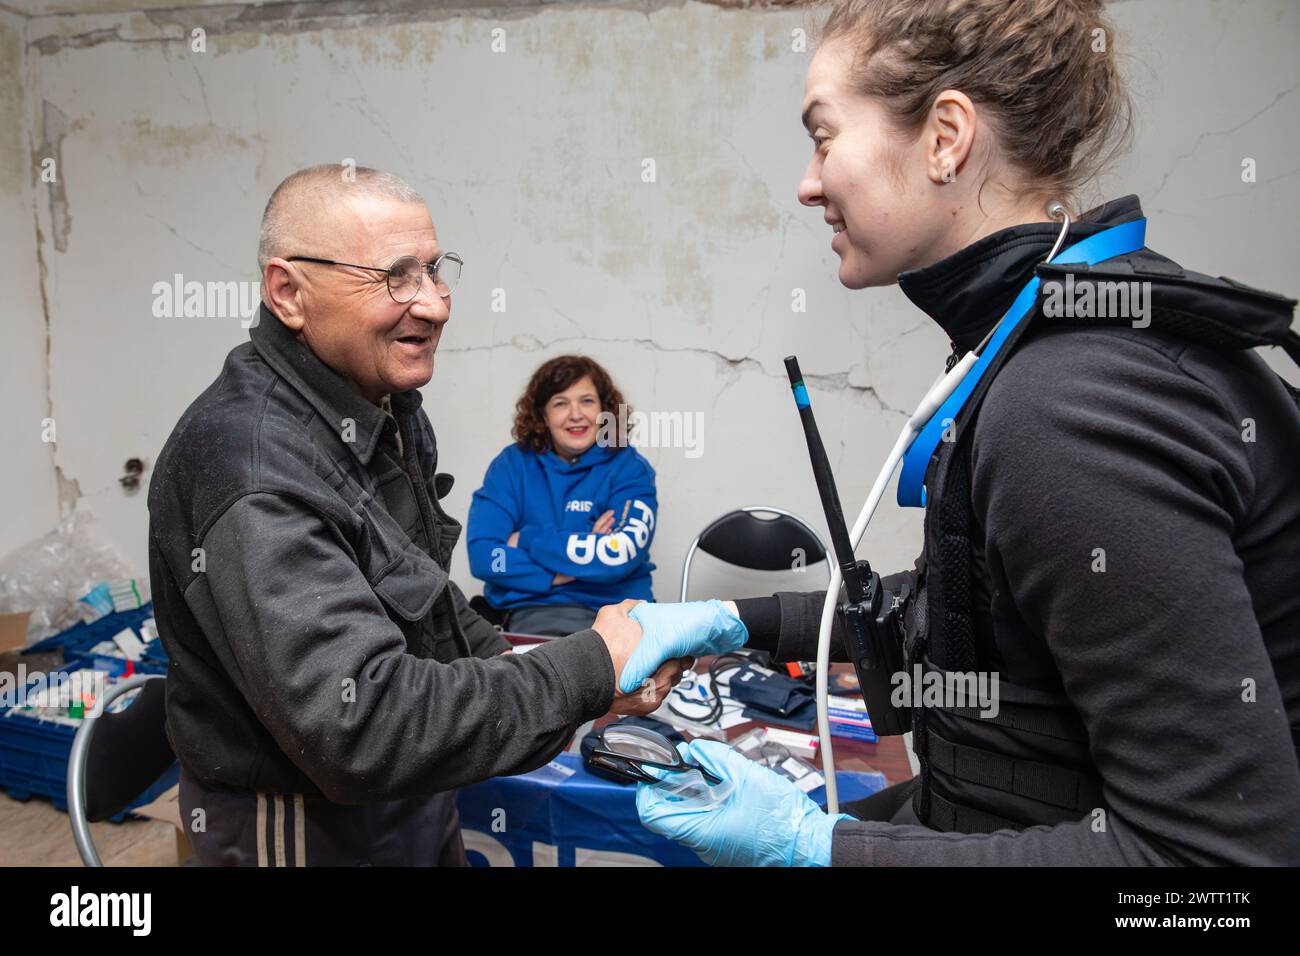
[[329, 685]]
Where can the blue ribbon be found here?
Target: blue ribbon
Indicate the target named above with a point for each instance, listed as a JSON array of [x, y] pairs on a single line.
[[1115, 241]]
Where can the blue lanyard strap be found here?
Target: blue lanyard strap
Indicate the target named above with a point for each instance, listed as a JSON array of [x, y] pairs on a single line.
[[1115, 241]]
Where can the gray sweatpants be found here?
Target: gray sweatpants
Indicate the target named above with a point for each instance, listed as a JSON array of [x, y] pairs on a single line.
[[243, 828]]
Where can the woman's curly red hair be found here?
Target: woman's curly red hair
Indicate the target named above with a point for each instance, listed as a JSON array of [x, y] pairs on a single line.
[[552, 378]]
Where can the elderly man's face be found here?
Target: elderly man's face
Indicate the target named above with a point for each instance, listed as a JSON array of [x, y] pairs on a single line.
[[350, 321]]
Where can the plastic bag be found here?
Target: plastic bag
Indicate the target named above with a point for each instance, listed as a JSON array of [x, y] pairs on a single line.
[[50, 575]]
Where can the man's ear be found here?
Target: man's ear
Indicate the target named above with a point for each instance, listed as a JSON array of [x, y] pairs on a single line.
[[949, 135], [282, 294]]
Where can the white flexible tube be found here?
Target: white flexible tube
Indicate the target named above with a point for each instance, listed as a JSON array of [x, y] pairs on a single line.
[[935, 397]]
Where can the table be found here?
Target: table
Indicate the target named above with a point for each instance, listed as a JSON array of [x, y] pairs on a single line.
[[559, 815], [888, 755]]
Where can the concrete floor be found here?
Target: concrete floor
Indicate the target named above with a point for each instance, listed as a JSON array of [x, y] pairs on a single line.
[[34, 833]]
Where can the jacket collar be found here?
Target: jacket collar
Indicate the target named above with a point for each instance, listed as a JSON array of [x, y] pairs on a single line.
[[969, 291], [328, 392]]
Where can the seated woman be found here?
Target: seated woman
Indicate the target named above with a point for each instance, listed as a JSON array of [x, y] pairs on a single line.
[[563, 522]]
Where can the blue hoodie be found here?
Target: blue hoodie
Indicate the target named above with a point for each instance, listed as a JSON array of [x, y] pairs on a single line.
[[553, 504]]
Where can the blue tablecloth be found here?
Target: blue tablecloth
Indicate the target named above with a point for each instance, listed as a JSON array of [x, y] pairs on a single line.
[[560, 815]]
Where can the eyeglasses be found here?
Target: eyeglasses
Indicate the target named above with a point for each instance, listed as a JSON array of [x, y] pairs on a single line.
[[406, 274]]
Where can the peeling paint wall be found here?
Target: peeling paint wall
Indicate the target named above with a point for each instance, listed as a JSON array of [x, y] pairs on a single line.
[[28, 486], [531, 160]]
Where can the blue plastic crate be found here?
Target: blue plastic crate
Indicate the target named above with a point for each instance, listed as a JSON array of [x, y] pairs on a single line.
[[34, 761], [76, 642], [83, 636]]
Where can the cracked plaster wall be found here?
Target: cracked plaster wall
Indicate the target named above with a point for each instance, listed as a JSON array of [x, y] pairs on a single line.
[[28, 486], [531, 163]]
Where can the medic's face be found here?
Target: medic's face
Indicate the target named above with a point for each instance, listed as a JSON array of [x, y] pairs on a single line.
[[870, 181], [572, 416]]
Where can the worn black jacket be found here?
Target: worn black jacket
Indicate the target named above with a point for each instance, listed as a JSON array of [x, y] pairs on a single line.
[[298, 559], [1178, 462]]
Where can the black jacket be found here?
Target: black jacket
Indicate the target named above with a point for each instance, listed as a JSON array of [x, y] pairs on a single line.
[[298, 559], [1131, 441]]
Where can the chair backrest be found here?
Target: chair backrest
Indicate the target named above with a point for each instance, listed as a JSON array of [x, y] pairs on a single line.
[[769, 541], [131, 752]]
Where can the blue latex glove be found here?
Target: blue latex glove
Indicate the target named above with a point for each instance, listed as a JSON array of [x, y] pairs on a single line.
[[679, 630], [766, 820]]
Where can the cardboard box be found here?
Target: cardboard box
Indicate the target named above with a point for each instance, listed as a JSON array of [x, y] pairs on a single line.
[[13, 631], [13, 641], [168, 809]]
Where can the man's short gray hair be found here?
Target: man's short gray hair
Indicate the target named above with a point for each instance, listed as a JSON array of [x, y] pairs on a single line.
[[321, 185]]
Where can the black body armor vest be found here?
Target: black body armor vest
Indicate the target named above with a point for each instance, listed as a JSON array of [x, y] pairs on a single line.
[[1030, 764]]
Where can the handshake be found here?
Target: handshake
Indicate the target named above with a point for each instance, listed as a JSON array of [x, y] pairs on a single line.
[[652, 645], [764, 820]]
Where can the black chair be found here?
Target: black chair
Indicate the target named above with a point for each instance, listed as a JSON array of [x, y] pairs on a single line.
[[744, 539], [131, 752], [493, 615]]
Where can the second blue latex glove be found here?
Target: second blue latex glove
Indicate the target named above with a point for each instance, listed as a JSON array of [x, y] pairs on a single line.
[[765, 821], [693, 629]]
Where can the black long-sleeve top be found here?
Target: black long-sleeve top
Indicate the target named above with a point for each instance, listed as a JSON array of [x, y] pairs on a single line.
[[1179, 465]]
